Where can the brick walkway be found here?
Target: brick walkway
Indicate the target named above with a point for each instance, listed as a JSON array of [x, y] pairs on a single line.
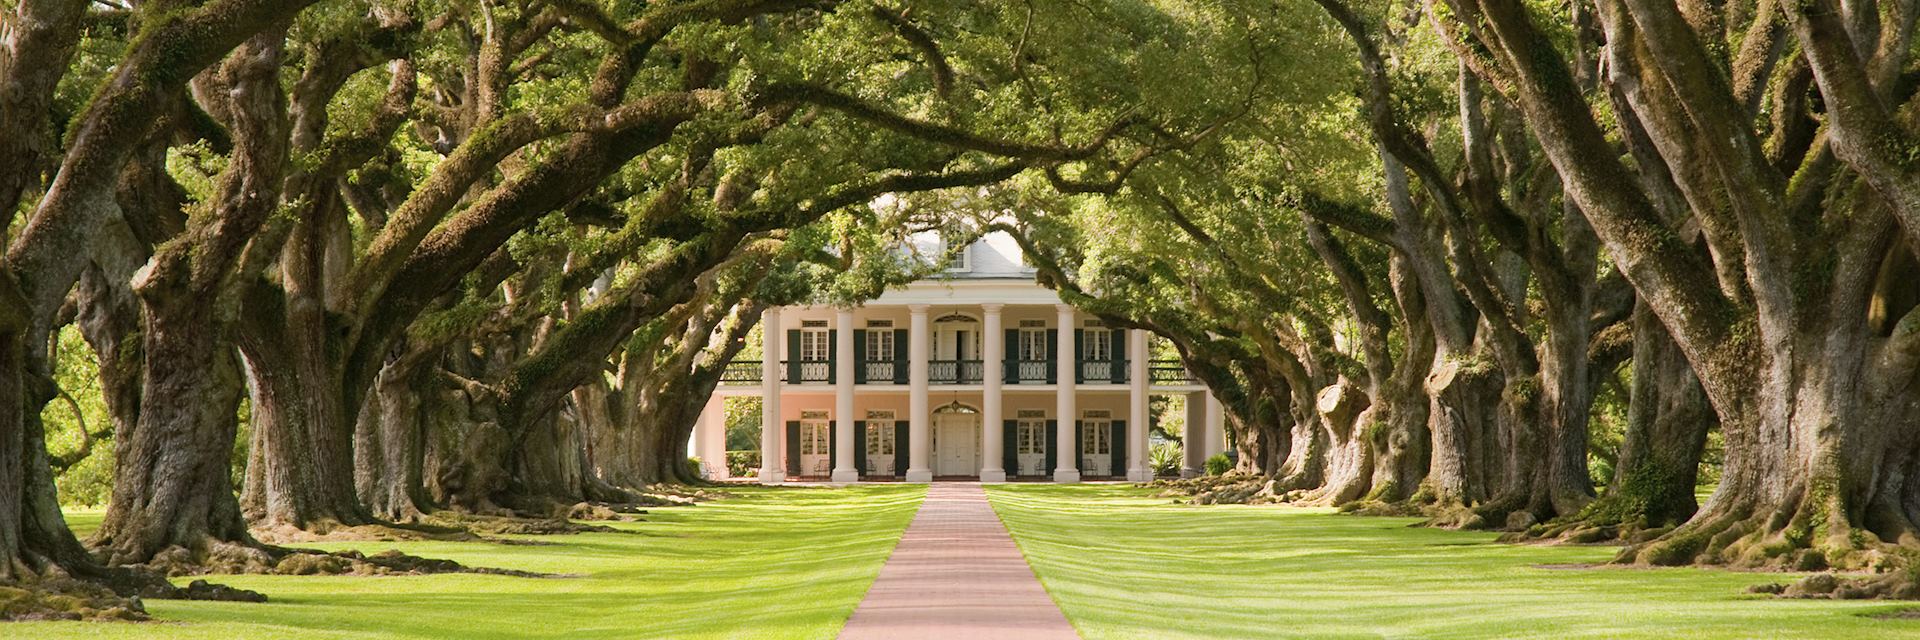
[[956, 574]]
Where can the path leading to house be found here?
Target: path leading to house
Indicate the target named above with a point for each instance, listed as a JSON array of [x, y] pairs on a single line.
[[957, 574]]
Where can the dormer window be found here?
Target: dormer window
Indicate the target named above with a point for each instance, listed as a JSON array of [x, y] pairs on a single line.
[[959, 258]]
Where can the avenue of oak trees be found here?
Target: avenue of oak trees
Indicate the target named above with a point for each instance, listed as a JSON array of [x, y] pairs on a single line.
[[1408, 292], [448, 263]]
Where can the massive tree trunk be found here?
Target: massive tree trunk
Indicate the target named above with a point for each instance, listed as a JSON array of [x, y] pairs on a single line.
[[302, 473], [34, 539], [390, 446], [172, 486], [1263, 431], [1468, 463], [1399, 431], [1344, 412], [1668, 418], [1566, 404], [171, 482]]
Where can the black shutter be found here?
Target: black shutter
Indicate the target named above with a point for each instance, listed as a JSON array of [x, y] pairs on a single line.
[[900, 348], [1053, 357], [793, 448], [1053, 444], [860, 447], [1010, 448], [833, 355], [1012, 357], [860, 356], [1079, 355], [833, 445], [901, 445], [793, 356], [1120, 370], [1119, 445]]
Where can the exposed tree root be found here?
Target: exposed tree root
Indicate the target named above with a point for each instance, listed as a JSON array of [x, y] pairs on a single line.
[[64, 598], [1230, 488], [1369, 507], [1588, 529], [114, 594], [560, 523], [334, 532], [215, 557], [1452, 514], [1894, 585]]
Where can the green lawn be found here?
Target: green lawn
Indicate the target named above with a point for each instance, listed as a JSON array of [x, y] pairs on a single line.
[[771, 563], [1124, 565]]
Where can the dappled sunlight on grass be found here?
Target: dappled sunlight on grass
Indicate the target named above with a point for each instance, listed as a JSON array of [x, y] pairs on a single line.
[[769, 563], [1123, 564]]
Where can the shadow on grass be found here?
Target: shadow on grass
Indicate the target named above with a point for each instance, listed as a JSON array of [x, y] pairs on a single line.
[[772, 563]]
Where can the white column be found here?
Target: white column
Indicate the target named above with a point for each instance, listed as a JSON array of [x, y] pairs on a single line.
[[843, 469], [1193, 442], [1137, 468], [1066, 465], [1216, 426], [991, 415], [772, 459], [918, 418], [710, 439]]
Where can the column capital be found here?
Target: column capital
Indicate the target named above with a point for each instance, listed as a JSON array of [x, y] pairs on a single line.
[[919, 309], [992, 307], [1065, 308]]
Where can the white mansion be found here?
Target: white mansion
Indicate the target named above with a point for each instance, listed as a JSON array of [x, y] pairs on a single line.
[[981, 373]]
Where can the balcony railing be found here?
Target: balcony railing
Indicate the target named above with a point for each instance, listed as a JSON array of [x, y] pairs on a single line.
[[1105, 371], [1168, 372], [741, 373], [1161, 372], [1030, 372], [955, 371], [815, 371], [879, 371]]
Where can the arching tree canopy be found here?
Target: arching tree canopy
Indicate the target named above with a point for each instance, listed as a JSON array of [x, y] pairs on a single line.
[[350, 265]]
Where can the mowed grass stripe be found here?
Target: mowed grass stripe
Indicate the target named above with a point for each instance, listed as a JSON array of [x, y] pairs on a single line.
[[1123, 564], [768, 563]]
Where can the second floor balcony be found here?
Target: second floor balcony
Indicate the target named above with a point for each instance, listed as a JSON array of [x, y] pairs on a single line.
[[1015, 371]]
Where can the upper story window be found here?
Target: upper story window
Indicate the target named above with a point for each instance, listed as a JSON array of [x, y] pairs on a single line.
[[1099, 343], [814, 341], [879, 345], [1033, 340]]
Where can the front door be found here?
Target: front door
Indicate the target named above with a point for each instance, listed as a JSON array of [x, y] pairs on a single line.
[[814, 451], [1031, 442], [954, 440], [1096, 447], [880, 447]]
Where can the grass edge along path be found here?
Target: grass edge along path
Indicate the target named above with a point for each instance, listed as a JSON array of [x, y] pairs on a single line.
[[1123, 564], [767, 563]]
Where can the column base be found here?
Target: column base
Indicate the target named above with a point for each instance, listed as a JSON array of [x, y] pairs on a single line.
[[1139, 475], [1066, 476], [845, 476], [772, 477], [1190, 472], [993, 475], [919, 475]]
